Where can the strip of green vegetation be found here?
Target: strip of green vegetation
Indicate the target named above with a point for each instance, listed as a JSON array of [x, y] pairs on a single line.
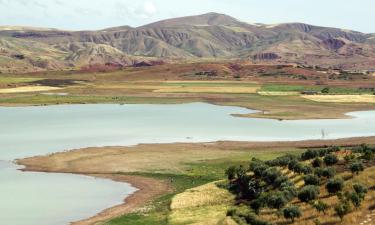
[[196, 174], [324, 89], [210, 84]]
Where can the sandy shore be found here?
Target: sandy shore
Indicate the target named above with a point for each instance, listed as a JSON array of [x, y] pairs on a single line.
[[113, 162]]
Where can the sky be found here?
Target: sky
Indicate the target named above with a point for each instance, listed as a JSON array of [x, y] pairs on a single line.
[[356, 15]]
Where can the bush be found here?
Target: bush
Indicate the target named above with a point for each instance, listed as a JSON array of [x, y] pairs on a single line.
[[330, 159], [317, 162], [292, 212], [308, 193], [320, 206], [311, 180], [335, 185], [356, 167]]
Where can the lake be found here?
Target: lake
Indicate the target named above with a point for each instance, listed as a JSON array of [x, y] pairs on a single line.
[[39, 198]]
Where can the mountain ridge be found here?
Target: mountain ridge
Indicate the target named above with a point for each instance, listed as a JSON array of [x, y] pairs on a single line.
[[211, 35]]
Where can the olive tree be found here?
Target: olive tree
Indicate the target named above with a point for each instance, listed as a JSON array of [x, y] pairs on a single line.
[[356, 167], [292, 212], [308, 193], [335, 185], [330, 159]]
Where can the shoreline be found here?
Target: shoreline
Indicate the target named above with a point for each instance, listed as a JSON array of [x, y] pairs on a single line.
[[150, 188]]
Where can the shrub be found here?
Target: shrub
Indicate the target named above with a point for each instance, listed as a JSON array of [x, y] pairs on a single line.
[[320, 206], [308, 193], [311, 180], [335, 185], [317, 162], [356, 167], [330, 159], [292, 212]]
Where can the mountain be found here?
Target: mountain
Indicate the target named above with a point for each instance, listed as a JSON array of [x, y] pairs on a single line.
[[210, 35]]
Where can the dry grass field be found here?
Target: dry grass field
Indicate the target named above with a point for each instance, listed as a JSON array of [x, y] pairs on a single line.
[[342, 98], [28, 89], [205, 204]]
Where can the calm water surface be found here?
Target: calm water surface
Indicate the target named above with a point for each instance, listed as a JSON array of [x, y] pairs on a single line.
[[38, 198]]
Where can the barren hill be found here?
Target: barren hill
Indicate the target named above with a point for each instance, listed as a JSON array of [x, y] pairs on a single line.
[[208, 36]]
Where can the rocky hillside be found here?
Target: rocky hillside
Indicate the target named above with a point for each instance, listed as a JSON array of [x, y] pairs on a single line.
[[205, 36]]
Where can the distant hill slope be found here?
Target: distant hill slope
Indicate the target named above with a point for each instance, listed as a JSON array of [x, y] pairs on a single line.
[[210, 35]]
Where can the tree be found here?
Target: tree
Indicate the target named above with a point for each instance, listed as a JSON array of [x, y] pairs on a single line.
[[270, 175], [355, 199], [360, 189], [231, 172], [330, 159], [258, 204], [289, 190], [292, 164], [356, 167], [309, 154], [335, 185], [311, 179], [320, 206], [342, 209], [308, 193], [292, 212], [349, 158], [325, 90], [276, 200], [329, 172], [317, 162]]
